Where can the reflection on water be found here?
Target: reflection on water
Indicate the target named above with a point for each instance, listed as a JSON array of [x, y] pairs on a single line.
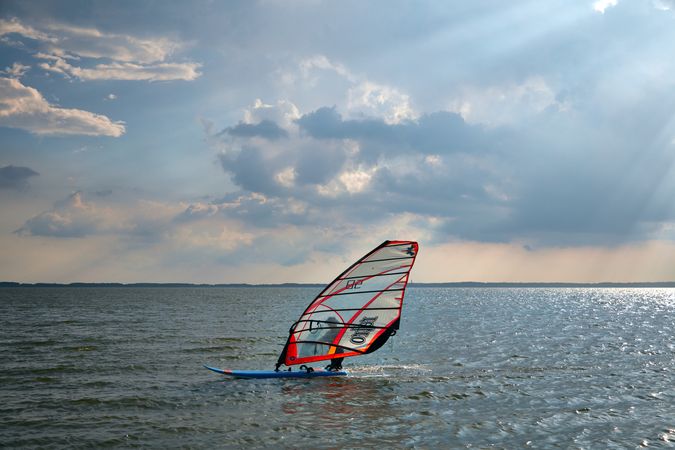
[[337, 399], [511, 368]]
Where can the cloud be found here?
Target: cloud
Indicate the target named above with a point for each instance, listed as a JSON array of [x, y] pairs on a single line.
[[24, 107], [530, 157], [295, 164], [530, 126], [365, 98], [320, 62], [71, 218], [440, 132], [271, 164], [125, 71], [265, 129], [15, 177], [92, 43], [508, 104], [330, 169], [255, 210], [172, 233], [127, 57], [374, 100], [14, 26], [500, 183], [274, 231], [78, 217], [284, 113], [61, 39], [16, 71], [602, 5]]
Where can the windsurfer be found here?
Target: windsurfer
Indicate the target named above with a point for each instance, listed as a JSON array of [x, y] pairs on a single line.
[[335, 365], [332, 331]]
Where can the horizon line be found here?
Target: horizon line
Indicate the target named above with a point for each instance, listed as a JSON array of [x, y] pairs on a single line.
[[450, 284]]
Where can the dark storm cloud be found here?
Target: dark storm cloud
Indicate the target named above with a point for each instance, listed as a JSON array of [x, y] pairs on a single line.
[[439, 132], [427, 191], [327, 123], [103, 193], [454, 189], [251, 169], [256, 168], [317, 163], [15, 177], [556, 182], [265, 129]]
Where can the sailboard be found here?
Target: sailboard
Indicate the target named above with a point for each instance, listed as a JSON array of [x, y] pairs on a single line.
[[353, 315], [277, 373]]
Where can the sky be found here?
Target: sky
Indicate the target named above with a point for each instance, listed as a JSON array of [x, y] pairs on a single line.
[[277, 141]]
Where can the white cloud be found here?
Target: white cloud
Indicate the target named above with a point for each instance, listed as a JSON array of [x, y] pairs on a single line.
[[286, 177], [372, 99], [602, 5], [506, 104], [13, 26], [357, 180], [127, 57], [364, 96], [433, 160], [321, 62], [284, 113], [351, 181], [25, 108], [126, 71], [16, 71], [61, 39], [92, 43]]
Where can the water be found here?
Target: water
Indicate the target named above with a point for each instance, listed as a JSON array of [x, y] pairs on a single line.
[[501, 368]]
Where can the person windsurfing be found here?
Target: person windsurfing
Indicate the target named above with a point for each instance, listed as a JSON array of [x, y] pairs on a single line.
[[332, 331]]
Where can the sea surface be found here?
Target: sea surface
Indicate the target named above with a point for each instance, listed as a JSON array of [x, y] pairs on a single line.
[[469, 368]]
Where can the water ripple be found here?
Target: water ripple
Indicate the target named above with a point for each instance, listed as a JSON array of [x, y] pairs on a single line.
[[498, 368]]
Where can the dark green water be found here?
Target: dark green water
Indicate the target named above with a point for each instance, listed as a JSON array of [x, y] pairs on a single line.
[[483, 367]]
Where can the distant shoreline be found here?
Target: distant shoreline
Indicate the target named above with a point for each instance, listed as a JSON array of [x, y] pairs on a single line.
[[460, 284]]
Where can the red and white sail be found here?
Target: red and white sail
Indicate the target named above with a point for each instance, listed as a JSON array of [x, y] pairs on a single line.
[[358, 311]]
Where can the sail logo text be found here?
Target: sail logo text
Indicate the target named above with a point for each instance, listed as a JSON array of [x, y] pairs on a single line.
[[363, 329], [354, 284]]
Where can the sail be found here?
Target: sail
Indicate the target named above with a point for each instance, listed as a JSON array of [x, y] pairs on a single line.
[[357, 312]]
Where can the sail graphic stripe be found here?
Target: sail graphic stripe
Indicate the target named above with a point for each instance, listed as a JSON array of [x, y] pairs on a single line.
[[358, 309], [360, 292], [375, 275], [337, 328], [390, 259]]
